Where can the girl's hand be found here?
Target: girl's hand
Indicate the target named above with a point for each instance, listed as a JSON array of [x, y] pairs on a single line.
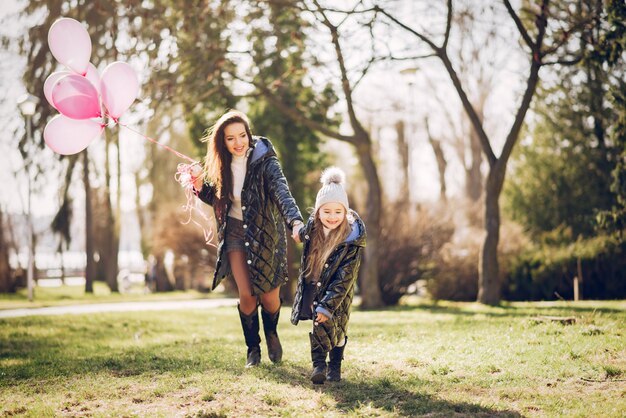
[[321, 318]]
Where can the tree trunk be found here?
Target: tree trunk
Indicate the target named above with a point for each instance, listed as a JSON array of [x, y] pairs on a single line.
[[108, 257], [90, 266], [403, 152], [473, 176], [161, 280], [117, 218], [6, 276], [370, 287], [442, 164], [182, 273], [489, 288]]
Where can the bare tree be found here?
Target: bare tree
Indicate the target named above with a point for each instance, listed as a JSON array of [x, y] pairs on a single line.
[[360, 139], [533, 31], [90, 266], [6, 279]]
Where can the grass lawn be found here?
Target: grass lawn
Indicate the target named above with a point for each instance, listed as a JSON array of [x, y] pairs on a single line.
[[73, 295], [447, 359]]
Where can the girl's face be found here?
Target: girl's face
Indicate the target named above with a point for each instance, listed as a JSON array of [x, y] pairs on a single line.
[[236, 139], [331, 214]]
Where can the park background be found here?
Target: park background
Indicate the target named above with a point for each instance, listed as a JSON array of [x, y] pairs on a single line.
[[484, 144]]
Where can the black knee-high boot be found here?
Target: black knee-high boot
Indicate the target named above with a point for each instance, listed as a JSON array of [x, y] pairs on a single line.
[[270, 321], [334, 363], [250, 325], [318, 356]]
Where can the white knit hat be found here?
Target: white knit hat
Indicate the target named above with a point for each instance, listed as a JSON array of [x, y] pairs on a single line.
[[332, 190]]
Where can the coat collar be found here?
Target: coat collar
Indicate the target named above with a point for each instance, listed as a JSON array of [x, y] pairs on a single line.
[[357, 236], [358, 233], [260, 147]]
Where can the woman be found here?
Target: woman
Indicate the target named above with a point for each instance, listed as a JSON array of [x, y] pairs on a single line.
[[243, 181]]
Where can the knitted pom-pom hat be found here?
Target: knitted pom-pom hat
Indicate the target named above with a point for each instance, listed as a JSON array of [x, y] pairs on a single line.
[[332, 179]]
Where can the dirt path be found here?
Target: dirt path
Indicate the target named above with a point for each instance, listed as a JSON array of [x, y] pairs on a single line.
[[119, 307]]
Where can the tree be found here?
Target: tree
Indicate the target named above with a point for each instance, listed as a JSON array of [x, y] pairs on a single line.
[[562, 177], [61, 222], [610, 51], [90, 265], [282, 61], [6, 273], [541, 42], [359, 138], [103, 20]]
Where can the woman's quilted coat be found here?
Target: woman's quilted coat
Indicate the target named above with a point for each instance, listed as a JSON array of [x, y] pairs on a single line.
[[267, 206]]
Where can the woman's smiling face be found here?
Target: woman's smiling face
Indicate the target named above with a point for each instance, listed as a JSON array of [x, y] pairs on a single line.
[[236, 139]]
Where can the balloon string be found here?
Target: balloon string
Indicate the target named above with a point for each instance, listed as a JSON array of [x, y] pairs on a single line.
[[185, 175], [154, 141]]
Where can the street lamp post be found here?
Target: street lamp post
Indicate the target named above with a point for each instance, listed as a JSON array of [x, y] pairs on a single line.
[[27, 104]]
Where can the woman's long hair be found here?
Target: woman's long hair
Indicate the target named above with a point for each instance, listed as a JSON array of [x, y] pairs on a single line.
[[217, 169], [322, 247]]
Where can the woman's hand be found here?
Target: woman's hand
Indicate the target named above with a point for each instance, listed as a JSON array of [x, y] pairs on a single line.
[[196, 172]]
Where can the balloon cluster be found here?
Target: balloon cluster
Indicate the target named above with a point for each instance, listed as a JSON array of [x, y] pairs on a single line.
[[81, 94], [85, 98]]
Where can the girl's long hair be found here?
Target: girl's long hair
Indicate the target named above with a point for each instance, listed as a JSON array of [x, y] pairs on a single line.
[[322, 247], [217, 169]]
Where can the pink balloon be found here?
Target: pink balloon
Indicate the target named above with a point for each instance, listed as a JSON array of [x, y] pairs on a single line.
[[70, 44], [93, 76], [69, 136], [49, 83], [119, 87], [75, 97]]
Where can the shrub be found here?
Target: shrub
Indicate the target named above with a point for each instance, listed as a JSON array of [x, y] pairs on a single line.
[[546, 270], [409, 244], [456, 276], [194, 260]]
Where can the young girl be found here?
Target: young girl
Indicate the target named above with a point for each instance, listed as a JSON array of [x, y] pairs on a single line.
[[333, 238], [243, 181]]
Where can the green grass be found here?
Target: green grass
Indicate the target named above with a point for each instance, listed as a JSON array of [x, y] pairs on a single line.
[[446, 359], [72, 295]]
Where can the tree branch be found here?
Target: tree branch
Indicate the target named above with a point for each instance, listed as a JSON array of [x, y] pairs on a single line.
[[298, 116], [572, 61], [531, 84], [469, 109], [520, 26], [446, 37], [467, 105], [345, 82], [409, 29], [416, 57]]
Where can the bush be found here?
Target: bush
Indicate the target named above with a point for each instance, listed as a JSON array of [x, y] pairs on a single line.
[[546, 270], [456, 276], [409, 243], [194, 259]]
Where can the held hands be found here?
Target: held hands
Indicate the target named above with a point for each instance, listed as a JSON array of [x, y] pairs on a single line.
[[295, 231]]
